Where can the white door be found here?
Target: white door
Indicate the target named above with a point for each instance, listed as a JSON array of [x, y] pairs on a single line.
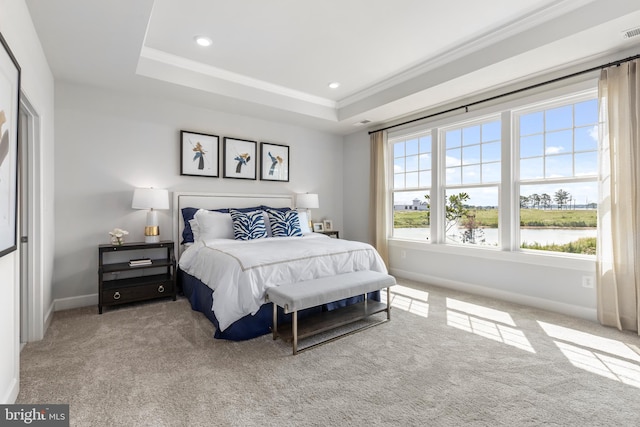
[[23, 200], [29, 220]]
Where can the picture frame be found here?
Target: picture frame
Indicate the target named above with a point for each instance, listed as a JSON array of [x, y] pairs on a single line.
[[274, 162], [239, 159], [199, 154], [328, 225], [9, 105], [318, 227]]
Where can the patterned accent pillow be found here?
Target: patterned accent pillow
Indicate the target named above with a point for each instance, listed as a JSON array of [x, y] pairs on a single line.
[[248, 225], [284, 224]]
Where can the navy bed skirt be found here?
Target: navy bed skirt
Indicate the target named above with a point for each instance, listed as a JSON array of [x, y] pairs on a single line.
[[201, 298]]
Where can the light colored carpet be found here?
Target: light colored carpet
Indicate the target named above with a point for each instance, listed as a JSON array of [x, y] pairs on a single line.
[[452, 359]]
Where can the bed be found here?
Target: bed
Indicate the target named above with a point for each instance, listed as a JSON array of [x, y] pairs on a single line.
[[226, 279]]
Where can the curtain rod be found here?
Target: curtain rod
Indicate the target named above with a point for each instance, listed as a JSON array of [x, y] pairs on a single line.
[[513, 92]]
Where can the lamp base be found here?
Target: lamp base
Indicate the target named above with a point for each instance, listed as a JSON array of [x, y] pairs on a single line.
[[152, 230], [152, 239]]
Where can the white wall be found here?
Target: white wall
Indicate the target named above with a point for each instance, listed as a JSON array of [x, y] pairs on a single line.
[[541, 281], [37, 83], [110, 143]]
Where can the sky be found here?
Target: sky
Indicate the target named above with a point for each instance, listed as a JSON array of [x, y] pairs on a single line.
[[556, 143]]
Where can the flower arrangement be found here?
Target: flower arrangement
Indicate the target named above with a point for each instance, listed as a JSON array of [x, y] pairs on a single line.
[[117, 236]]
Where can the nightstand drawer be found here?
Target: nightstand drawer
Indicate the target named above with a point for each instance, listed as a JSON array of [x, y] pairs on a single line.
[[137, 293]]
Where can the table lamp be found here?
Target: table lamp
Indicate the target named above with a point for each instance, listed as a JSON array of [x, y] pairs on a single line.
[[151, 198], [307, 201]]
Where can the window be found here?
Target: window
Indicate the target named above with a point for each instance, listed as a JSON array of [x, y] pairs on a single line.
[[550, 188], [411, 183], [472, 175], [558, 151]]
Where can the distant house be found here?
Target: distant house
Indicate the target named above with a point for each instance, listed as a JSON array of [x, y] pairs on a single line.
[[417, 205]]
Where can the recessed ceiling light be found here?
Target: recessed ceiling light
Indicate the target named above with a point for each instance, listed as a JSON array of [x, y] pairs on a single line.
[[334, 85], [203, 40]]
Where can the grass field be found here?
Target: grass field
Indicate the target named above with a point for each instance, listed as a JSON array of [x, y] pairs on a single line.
[[585, 245], [528, 218], [488, 218]]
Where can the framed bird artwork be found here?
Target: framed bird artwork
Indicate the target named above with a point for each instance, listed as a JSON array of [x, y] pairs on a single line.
[[199, 154], [239, 158], [274, 162]]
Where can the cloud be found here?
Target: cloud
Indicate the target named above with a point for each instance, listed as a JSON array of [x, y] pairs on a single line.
[[452, 161], [553, 150]]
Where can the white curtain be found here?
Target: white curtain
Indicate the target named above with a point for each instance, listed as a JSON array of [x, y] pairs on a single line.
[[378, 200], [618, 252]]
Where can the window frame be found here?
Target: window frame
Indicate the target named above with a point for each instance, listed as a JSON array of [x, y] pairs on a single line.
[[516, 113], [508, 188], [420, 132], [479, 120], [407, 137]]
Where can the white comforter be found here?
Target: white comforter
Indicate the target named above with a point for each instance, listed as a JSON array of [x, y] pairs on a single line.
[[240, 272]]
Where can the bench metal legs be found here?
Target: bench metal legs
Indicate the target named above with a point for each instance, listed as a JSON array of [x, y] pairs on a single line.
[[274, 329], [294, 327], [388, 302], [295, 332], [341, 322]]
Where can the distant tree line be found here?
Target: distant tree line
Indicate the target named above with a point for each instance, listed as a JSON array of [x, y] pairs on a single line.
[[563, 199]]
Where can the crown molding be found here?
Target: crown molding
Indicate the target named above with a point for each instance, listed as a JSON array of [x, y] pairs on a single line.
[[240, 79], [526, 22]]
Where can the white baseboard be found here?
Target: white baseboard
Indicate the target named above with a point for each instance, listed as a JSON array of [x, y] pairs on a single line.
[[541, 303], [76, 302], [48, 317], [11, 395]]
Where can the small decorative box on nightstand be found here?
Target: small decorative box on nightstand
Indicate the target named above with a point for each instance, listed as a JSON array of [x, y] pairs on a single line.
[[140, 277]]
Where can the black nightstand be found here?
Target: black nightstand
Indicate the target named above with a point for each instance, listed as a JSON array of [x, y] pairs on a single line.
[[120, 282], [332, 233]]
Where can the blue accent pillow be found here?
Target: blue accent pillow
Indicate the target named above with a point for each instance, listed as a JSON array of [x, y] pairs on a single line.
[[269, 208], [189, 213], [248, 225], [284, 223], [187, 232], [255, 208]]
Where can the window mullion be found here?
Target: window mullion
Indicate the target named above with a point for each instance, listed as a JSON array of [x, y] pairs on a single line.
[[436, 206], [508, 191]]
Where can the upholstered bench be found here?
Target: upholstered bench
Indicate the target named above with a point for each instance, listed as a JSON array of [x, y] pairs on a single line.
[[311, 293]]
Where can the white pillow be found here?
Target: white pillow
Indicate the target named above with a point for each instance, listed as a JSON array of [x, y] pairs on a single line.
[[213, 225], [304, 222]]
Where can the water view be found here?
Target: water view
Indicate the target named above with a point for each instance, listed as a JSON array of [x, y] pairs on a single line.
[[546, 236], [558, 230]]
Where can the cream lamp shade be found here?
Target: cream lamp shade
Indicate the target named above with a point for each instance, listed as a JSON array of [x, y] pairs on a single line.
[[151, 198], [307, 201]]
